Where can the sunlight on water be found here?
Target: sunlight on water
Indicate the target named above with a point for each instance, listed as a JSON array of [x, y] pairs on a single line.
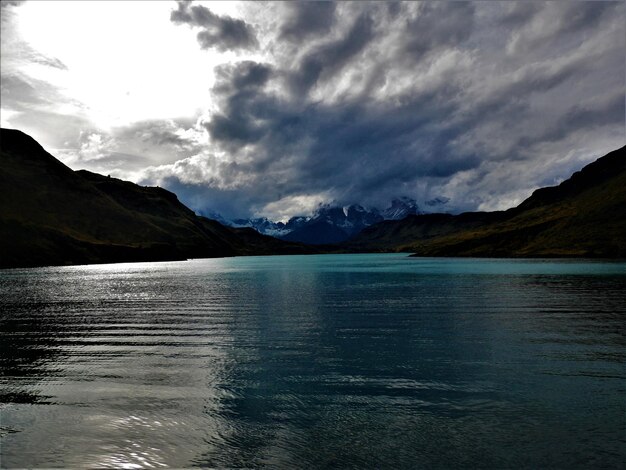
[[315, 361]]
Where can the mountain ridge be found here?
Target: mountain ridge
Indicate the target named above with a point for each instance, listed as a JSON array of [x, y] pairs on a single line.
[[330, 223], [52, 215], [584, 216]]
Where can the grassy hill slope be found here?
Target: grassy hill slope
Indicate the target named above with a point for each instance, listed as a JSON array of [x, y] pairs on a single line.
[[51, 215], [585, 216]]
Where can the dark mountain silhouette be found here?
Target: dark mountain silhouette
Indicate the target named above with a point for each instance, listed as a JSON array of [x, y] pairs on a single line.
[[329, 224], [400, 208], [584, 216], [51, 215], [332, 224], [260, 224]]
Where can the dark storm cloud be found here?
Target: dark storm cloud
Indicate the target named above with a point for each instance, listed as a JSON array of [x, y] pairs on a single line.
[[329, 58], [354, 147], [439, 24], [477, 102], [238, 86], [241, 77], [307, 19], [219, 32], [350, 143]]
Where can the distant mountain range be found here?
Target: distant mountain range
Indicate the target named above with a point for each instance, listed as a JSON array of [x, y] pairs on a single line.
[[51, 215], [329, 223], [584, 216]]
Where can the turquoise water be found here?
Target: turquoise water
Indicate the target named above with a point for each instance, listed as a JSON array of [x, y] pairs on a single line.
[[365, 361]]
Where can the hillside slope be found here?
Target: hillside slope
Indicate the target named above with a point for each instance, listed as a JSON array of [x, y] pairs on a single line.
[[584, 216], [51, 215]]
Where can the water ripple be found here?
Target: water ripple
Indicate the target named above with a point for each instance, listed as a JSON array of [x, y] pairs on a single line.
[[325, 361]]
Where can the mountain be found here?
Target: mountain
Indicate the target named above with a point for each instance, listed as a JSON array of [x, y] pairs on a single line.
[[262, 225], [584, 216], [51, 215], [401, 208], [329, 224], [332, 224]]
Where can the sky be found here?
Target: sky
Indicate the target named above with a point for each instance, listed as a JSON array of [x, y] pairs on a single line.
[[272, 108]]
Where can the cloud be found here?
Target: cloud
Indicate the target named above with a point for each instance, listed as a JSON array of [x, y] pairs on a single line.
[[304, 20], [543, 25], [519, 13], [607, 111], [22, 93], [7, 5], [174, 135], [48, 61], [124, 151], [329, 58], [98, 152], [437, 25], [220, 32], [423, 100], [475, 103]]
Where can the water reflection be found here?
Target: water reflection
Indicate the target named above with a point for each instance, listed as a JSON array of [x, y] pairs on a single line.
[[359, 360]]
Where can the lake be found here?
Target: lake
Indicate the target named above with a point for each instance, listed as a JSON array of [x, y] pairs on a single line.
[[322, 361]]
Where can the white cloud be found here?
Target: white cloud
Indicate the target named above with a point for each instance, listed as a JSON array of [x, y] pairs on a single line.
[[285, 208], [125, 60]]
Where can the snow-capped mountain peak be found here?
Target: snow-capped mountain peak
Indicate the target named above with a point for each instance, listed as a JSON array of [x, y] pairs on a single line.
[[262, 225], [329, 223], [400, 208]]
